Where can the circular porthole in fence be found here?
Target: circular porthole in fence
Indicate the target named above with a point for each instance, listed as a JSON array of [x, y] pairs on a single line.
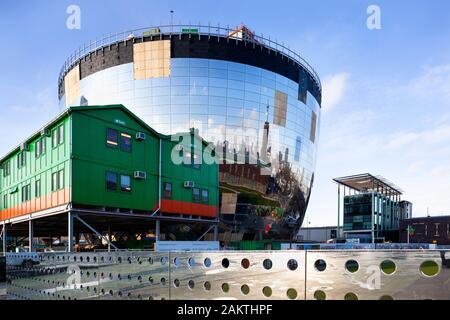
[[386, 297], [320, 265], [207, 285], [191, 262], [163, 260], [191, 284], [352, 266], [119, 259], [267, 264], [150, 260], [429, 268], [292, 294], [150, 298], [267, 291], [292, 264], [163, 281], [351, 296], [150, 279], [207, 262], [225, 263], [245, 263], [245, 289], [177, 262], [320, 295], [225, 287], [388, 267]]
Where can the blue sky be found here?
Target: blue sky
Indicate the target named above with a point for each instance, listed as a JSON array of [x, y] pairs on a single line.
[[386, 107]]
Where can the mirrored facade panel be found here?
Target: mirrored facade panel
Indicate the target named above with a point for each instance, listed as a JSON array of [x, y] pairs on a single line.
[[247, 112]]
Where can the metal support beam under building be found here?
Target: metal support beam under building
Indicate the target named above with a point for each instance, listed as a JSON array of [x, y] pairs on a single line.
[[4, 236], [206, 232], [216, 232], [158, 229], [70, 232], [96, 232], [30, 235]]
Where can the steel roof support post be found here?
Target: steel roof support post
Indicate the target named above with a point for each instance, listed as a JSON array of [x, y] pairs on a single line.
[[70, 232], [30, 235], [339, 212], [373, 212]]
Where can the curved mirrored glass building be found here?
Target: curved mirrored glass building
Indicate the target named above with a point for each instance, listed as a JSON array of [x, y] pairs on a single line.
[[258, 102]]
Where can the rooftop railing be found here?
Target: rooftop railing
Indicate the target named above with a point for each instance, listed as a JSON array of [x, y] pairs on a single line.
[[194, 29]]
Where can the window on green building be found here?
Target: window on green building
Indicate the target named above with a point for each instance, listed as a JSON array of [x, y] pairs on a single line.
[[125, 142], [37, 188], [54, 138], [54, 181], [205, 196], [196, 161], [125, 183], [111, 181], [58, 136], [112, 138], [61, 134], [187, 158], [7, 168], [57, 180], [196, 194], [61, 179], [40, 148], [167, 190], [26, 193], [21, 159], [5, 201]]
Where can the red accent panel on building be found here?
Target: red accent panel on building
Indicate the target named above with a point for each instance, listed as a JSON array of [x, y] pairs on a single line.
[[195, 209], [52, 200]]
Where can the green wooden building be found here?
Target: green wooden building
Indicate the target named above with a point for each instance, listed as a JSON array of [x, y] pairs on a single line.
[[104, 163]]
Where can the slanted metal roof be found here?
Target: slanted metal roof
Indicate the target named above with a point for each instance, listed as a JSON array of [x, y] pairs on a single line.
[[367, 182]]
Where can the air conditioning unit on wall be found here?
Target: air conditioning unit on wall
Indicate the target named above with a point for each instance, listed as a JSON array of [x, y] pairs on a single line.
[[189, 184], [140, 175], [140, 136]]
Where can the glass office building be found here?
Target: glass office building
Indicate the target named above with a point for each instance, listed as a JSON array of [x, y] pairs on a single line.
[[372, 208], [255, 100]]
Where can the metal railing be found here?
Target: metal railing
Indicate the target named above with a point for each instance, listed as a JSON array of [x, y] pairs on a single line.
[[241, 275], [172, 30]]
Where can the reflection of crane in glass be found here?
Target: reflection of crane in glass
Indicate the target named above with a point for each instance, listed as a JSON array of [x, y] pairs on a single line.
[[265, 138]]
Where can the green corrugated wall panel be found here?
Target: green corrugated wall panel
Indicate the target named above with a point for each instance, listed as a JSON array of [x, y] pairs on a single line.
[[91, 161], [40, 168], [205, 177]]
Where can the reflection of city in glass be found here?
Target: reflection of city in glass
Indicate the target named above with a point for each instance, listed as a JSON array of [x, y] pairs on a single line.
[[263, 115]]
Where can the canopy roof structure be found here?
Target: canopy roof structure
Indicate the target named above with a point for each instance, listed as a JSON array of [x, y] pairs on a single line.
[[369, 183]]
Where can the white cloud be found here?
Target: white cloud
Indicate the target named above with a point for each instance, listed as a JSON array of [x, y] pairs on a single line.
[[334, 87]]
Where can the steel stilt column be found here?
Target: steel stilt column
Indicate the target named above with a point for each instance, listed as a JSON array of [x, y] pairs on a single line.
[[70, 232], [158, 229], [216, 232], [4, 236], [30, 235]]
